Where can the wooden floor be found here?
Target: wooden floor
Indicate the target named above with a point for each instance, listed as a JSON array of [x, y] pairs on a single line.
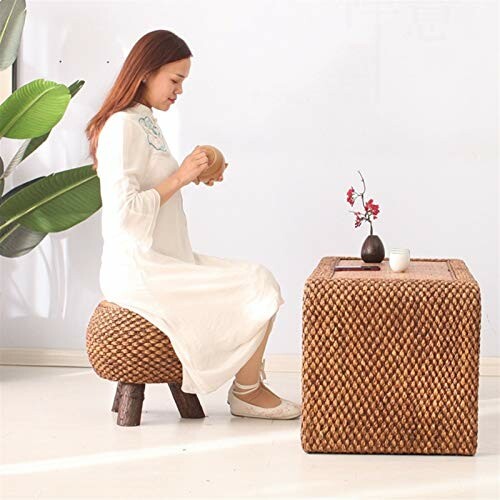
[[59, 439]]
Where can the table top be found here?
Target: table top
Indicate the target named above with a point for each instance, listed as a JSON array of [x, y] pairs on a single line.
[[423, 269], [419, 269]]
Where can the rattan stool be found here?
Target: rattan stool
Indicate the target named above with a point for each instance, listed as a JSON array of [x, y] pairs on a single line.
[[123, 346]]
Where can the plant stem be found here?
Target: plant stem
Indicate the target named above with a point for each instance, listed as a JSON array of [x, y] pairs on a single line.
[[363, 180], [364, 189], [367, 216]]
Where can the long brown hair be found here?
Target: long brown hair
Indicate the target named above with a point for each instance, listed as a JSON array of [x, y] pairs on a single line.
[[149, 53]]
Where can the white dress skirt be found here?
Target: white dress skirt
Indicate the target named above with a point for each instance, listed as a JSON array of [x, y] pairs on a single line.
[[215, 311]]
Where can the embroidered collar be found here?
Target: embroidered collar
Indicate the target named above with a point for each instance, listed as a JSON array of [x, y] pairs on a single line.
[[144, 110], [148, 122], [138, 106]]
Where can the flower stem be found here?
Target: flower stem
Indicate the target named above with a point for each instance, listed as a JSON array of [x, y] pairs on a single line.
[[367, 216]]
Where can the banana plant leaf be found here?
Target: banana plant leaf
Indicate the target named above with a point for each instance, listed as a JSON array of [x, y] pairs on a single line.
[[15, 239], [33, 109], [2, 182], [30, 145], [55, 203], [12, 16]]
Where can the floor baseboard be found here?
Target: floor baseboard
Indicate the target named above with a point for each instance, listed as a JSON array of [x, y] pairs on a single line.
[[488, 366]]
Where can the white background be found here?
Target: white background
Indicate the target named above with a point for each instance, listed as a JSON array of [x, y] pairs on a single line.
[[298, 95]]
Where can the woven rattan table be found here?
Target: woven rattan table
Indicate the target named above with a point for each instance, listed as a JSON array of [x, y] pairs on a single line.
[[390, 361]]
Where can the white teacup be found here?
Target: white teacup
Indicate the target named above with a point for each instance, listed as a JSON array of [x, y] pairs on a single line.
[[399, 259]]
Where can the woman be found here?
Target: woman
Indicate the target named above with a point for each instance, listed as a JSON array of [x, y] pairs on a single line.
[[217, 313]]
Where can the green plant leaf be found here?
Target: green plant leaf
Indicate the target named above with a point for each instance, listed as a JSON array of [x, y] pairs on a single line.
[[33, 109], [12, 16], [2, 182], [15, 239], [56, 202], [30, 145]]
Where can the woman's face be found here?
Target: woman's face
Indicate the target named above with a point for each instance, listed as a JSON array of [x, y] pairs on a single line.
[[166, 83]]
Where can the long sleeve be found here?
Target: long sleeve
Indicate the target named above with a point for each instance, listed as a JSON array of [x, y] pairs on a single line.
[[123, 154]]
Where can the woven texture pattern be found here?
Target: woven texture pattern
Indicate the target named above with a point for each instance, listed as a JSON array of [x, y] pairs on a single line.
[[125, 347], [390, 365], [421, 269]]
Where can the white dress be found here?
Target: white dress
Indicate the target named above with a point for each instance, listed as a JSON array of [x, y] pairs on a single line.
[[214, 310]]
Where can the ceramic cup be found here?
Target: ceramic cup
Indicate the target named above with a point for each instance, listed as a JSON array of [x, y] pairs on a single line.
[[216, 163], [399, 259]]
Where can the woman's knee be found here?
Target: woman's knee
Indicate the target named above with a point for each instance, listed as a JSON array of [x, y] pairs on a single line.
[[269, 275]]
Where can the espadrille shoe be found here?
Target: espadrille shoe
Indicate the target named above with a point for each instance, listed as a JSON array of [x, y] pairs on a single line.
[[284, 411], [263, 377]]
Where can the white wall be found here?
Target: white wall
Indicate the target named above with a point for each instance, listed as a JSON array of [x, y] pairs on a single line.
[[299, 95]]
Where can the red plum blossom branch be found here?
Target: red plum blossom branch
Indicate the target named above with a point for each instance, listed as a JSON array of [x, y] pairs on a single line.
[[371, 210]]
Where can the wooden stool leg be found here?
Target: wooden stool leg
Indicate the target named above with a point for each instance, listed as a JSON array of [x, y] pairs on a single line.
[[188, 404], [130, 406], [116, 402]]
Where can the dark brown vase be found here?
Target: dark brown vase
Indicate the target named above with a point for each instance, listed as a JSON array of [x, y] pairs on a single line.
[[372, 249]]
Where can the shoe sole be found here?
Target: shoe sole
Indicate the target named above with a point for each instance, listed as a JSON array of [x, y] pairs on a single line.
[[263, 416]]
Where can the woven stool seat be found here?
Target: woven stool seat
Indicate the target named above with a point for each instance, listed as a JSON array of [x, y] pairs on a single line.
[[125, 347]]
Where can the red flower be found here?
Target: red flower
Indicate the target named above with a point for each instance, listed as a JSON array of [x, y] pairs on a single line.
[[350, 198], [371, 207], [359, 219]]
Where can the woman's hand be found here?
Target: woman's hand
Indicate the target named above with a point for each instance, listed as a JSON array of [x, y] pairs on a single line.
[[211, 182], [192, 166]]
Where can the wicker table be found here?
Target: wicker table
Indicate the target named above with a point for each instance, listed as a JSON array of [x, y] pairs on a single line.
[[390, 361]]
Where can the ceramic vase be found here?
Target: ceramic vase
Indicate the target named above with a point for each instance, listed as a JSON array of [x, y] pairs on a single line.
[[372, 249]]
